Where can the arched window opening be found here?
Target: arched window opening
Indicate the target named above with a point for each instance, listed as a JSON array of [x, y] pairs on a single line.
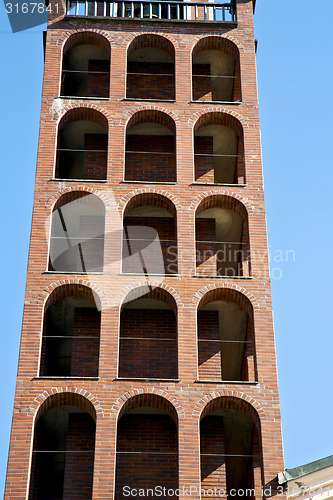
[[226, 350], [151, 149], [148, 335], [230, 452], [62, 465], [222, 239], [86, 66], [215, 71], [71, 336], [218, 155], [147, 446], [82, 146], [151, 68], [150, 236], [77, 233]]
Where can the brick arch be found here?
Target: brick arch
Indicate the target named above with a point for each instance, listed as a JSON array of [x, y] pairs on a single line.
[[231, 115], [78, 195], [220, 118], [81, 113], [123, 203], [73, 396], [224, 289], [151, 199], [152, 40], [225, 36], [130, 38], [225, 194], [157, 293], [67, 34], [152, 116], [141, 397], [84, 107], [58, 288], [70, 290], [215, 42], [133, 288], [51, 202], [230, 399], [87, 37], [150, 111], [222, 201], [229, 295]]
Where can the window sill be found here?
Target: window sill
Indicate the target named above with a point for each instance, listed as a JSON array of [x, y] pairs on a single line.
[[63, 377], [83, 98], [169, 183], [143, 379], [234, 103], [234, 382], [75, 272], [215, 276], [217, 184], [150, 274], [140, 99], [56, 179]]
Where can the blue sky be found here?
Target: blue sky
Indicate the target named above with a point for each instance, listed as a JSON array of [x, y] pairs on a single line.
[[295, 79]]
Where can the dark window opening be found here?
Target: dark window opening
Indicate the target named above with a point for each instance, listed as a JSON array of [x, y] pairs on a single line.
[[148, 335], [229, 455], [147, 451], [150, 241], [77, 234], [86, 72], [150, 153], [82, 151], [151, 73], [63, 455], [225, 343], [71, 336]]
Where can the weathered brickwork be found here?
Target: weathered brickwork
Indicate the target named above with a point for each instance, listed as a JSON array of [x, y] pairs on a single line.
[[126, 393]]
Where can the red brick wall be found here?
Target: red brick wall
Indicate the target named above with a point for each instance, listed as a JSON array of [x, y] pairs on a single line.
[[107, 394], [141, 238], [79, 466], [209, 353], [150, 158], [85, 351], [204, 165], [151, 458], [154, 358], [98, 84], [212, 449], [157, 83]]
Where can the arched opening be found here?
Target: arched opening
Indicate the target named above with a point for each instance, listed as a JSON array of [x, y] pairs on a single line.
[[222, 244], [71, 333], [86, 66], [150, 236], [226, 347], [215, 70], [77, 233], [151, 68], [148, 336], [230, 450], [150, 148], [62, 466], [218, 150], [82, 145], [147, 445]]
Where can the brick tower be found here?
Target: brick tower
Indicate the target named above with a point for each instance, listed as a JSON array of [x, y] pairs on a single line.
[[147, 363]]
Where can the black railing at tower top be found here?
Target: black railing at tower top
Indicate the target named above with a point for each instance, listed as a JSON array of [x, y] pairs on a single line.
[[154, 10]]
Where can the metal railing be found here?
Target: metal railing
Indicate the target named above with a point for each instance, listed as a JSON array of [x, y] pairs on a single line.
[[154, 10]]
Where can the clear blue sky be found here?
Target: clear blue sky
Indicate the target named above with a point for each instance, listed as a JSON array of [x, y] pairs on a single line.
[[295, 79]]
